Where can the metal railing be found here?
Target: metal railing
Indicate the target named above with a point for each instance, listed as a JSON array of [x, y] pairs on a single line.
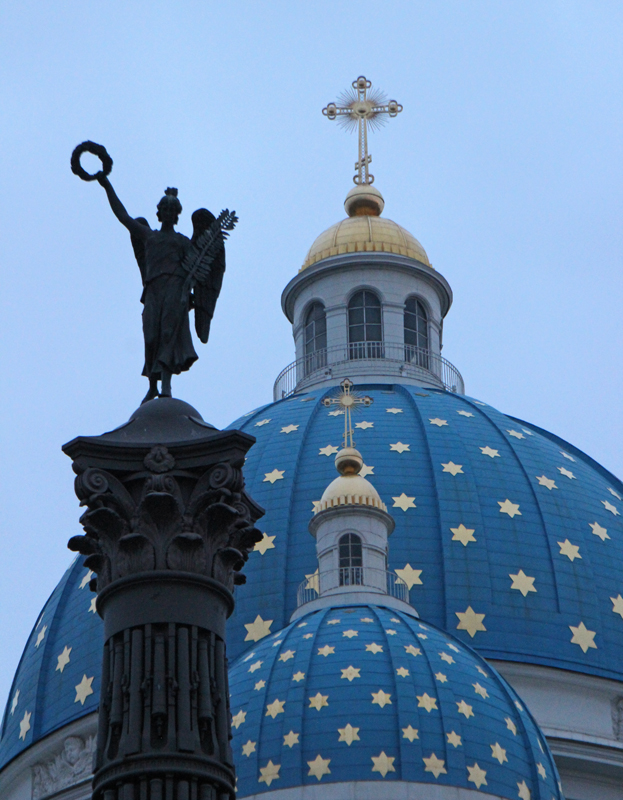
[[376, 359], [336, 581]]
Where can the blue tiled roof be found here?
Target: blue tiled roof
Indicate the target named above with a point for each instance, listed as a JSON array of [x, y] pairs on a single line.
[[535, 628], [365, 693]]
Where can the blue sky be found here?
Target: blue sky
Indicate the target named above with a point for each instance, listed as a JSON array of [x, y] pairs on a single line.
[[505, 164]]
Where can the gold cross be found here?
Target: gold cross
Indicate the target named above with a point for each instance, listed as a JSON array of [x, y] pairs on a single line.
[[348, 401], [358, 108]]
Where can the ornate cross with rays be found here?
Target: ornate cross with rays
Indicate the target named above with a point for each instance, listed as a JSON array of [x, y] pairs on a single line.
[[348, 401], [357, 107]]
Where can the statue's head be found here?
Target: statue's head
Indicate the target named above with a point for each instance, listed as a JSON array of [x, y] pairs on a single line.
[[73, 747], [169, 208]]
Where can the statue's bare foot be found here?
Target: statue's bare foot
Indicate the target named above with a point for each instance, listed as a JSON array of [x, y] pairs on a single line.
[[166, 392]]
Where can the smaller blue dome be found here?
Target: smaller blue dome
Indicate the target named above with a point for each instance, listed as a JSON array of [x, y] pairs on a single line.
[[364, 693]]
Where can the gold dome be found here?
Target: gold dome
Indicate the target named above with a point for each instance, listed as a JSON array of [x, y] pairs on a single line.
[[364, 231], [349, 488]]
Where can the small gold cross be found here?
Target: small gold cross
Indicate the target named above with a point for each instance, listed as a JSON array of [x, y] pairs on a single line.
[[348, 401]]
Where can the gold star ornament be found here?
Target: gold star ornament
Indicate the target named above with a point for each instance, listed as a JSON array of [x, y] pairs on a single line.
[[83, 690], [329, 450], [572, 551], [498, 752], [524, 793], [381, 698], [547, 482], [257, 629], [383, 763], [269, 773], [434, 765], [512, 509], [410, 733], [438, 422], [617, 605], [290, 739], [275, 708], [463, 535], [400, 447], [404, 502], [319, 767], [248, 748], [477, 776], [612, 509], [427, 702], [63, 659], [489, 451], [511, 725], [374, 648], [409, 576], [470, 621], [522, 582], [275, 475], [599, 531], [583, 637], [350, 673], [348, 734], [318, 701], [24, 725], [265, 543], [287, 655], [452, 468], [465, 709], [289, 429], [86, 579], [454, 739]]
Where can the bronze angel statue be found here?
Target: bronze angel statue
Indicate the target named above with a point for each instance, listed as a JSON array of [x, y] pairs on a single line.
[[178, 273]]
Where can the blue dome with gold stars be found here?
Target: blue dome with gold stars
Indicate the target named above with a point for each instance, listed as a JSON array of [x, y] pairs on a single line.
[[507, 536], [363, 693], [58, 677]]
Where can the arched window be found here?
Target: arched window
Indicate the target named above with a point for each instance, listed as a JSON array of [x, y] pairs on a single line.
[[315, 338], [351, 560], [416, 332], [365, 333]]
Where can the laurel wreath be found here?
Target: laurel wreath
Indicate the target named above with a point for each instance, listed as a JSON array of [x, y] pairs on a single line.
[[97, 150]]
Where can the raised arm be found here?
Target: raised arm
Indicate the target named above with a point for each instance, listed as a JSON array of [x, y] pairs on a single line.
[[136, 228]]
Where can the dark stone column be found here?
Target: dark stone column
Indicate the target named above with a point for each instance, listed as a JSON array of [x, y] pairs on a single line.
[[168, 528]]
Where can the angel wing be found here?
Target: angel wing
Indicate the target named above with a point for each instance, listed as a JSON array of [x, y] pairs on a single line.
[[138, 245], [205, 264]]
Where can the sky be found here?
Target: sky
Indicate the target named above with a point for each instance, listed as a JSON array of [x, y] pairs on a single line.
[[505, 164]]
